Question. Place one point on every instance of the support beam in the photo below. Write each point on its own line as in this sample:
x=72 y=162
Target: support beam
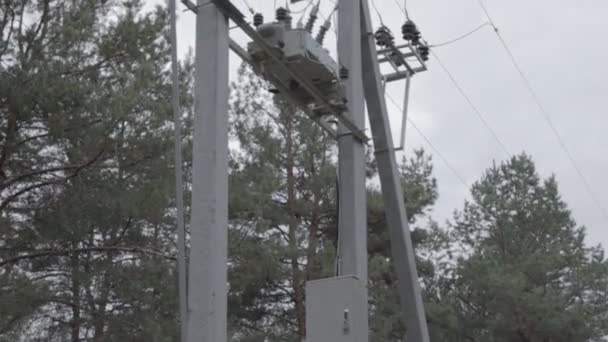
x=352 y=193
x=207 y=297
x=401 y=243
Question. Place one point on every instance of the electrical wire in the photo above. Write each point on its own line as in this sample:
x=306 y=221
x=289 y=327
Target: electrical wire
x=377 y=12
x=428 y=141
x=248 y=6
x=475 y=109
x=303 y=10
x=325 y=17
x=338 y=239
x=544 y=113
x=475 y=30
x=403 y=8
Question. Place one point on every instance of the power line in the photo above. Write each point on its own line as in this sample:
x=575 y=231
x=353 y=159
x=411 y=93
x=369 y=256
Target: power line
x=471 y=104
x=248 y=6
x=303 y=10
x=544 y=113
x=403 y=8
x=377 y=12
x=475 y=30
x=428 y=141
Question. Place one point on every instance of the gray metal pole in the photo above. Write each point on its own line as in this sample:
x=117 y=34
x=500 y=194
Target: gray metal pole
x=406 y=105
x=401 y=244
x=353 y=201
x=207 y=295
x=182 y=277
x=352 y=193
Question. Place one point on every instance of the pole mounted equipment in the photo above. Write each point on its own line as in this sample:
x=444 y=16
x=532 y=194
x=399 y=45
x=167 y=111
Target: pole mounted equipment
x=304 y=73
x=384 y=37
x=312 y=18
x=410 y=32
x=258 y=19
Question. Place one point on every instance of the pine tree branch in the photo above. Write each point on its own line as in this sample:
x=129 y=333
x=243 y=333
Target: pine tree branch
x=11 y=132
x=77 y=170
x=45 y=253
x=24 y=176
x=10 y=27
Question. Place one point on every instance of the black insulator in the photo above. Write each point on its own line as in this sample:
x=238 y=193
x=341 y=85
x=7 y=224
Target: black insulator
x=395 y=59
x=258 y=19
x=344 y=73
x=416 y=40
x=310 y=23
x=294 y=85
x=288 y=21
x=410 y=32
x=384 y=37
x=321 y=34
x=281 y=14
x=424 y=52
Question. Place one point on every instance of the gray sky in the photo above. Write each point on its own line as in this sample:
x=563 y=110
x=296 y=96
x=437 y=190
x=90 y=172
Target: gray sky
x=558 y=45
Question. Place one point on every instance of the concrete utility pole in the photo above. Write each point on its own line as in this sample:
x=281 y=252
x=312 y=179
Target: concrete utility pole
x=352 y=225
x=207 y=298
x=402 y=248
x=353 y=201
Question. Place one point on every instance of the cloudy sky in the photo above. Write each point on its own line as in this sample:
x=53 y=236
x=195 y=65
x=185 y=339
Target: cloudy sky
x=559 y=46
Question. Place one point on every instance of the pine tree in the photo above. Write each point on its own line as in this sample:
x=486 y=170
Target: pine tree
x=86 y=237
x=420 y=191
x=524 y=272
x=281 y=206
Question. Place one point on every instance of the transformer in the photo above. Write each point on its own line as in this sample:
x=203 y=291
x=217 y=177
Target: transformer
x=301 y=52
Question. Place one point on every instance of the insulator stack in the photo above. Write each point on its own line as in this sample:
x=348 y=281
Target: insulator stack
x=281 y=14
x=344 y=73
x=323 y=31
x=410 y=32
x=258 y=19
x=396 y=59
x=384 y=37
x=288 y=20
x=312 y=18
x=424 y=52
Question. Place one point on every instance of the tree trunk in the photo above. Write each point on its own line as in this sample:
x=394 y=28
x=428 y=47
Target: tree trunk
x=75 y=323
x=312 y=264
x=293 y=226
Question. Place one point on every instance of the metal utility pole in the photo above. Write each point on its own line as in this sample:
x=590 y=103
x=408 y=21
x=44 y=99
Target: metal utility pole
x=353 y=201
x=352 y=224
x=402 y=248
x=207 y=298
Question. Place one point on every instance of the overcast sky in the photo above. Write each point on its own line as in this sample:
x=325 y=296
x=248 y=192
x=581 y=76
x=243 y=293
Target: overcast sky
x=559 y=45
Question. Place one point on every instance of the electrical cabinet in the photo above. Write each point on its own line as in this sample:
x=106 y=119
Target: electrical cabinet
x=336 y=310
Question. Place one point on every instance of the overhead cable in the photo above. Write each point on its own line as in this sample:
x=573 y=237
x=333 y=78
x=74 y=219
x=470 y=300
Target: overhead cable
x=459 y=38
x=475 y=109
x=428 y=141
x=544 y=113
